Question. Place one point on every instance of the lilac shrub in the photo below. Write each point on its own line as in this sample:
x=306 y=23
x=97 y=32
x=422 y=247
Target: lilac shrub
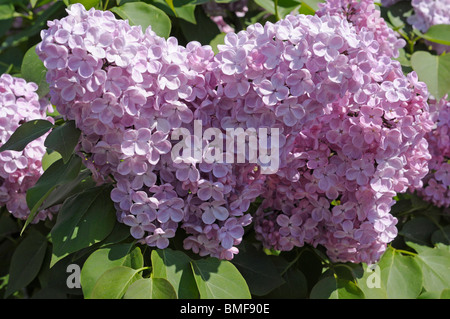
x=20 y=170
x=351 y=128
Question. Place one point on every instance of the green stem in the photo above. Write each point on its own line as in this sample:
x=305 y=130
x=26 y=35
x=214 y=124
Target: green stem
x=143 y=268
x=292 y=263
x=406 y=252
x=277 y=16
x=326 y=262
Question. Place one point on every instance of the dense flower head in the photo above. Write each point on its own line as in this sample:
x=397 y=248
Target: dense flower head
x=436 y=188
x=19 y=170
x=350 y=127
x=428 y=13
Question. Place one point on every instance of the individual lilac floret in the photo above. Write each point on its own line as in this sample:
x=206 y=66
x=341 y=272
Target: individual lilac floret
x=428 y=13
x=19 y=170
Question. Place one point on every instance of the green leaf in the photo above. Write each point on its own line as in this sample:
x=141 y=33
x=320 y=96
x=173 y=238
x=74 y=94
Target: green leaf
x=418 y=230
x=430 y=295
x=258 y=270
x=8 y=224
x=284 y=6
x=6 y=17
x=445 y=294
x=370 y=282
x=33 y=70
x=150 y=288
x=86 y=3
x=170 y=3
x=54 y=11
x=295 y=284
x=441 y=236
x=49 y=158
x=217 y=40
x=434 y=71
x=185 y=11
x=435 y=265
x=63 y=139
x=176 y=268
x=83 y=220
x=114 y=282
x=26 y=261
x=401 y=276
x=101 y=260
x=330 y=287
x=57 y=174
x=219 y=279
x=25 y=133
x=396 y=16
x=6 y=11
x=203 y=31
x=82 y=182
x=438 y=33
x=145 y=15
x=313 y=4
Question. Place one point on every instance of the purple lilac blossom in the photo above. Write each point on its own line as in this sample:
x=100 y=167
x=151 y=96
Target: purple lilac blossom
x=436 y=188
x=351 y=127
x=20 y=170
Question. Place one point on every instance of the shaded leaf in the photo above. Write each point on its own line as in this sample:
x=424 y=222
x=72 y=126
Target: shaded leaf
x=83 y=220
x=258 y=270
x=63 y=139
x=26 y=261
x=57 y=174
x=330 y=287
x=418 y=230
x=25 y=133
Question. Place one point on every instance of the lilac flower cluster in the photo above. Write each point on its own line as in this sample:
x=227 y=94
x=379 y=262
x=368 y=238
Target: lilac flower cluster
x=351 y=128
x=365 y=16
x=428 y=13
x=128 y=91
x=343 y=168
x=436 y=187
x=19 y=171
